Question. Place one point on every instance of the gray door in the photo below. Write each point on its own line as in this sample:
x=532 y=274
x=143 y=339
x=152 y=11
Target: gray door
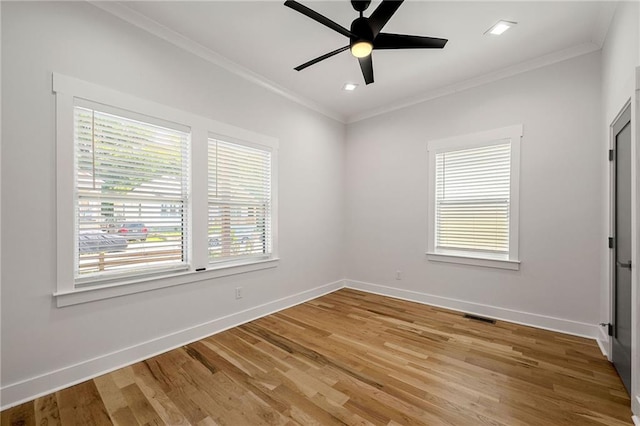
x=622 y=280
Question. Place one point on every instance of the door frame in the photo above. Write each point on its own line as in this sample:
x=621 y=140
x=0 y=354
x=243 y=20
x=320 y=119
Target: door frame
x=634 y=102
x=612 y=221
x=635 y=220
x=613 y=178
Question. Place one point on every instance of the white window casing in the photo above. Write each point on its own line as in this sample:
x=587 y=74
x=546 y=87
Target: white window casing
x=125 y=162
x=473 y=195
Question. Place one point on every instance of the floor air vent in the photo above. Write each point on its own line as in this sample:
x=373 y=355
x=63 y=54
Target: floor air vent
x=482 y=319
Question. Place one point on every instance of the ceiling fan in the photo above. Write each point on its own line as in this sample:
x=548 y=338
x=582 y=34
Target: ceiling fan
x=365 y=36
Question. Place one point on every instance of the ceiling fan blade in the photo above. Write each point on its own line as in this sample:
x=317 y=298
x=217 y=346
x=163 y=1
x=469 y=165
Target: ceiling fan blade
x=402 y=41
x=366 y=65
x=382 y=14
x=317 y=17
x=321 y=58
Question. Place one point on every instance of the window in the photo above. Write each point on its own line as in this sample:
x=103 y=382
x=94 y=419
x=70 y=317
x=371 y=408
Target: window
x=127 y=171
x=472 y=199
x=473 y=193
x=239 y=201
x=148 y=198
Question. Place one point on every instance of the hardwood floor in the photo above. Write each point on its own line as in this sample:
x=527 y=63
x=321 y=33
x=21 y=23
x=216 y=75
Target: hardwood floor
x=353 y=358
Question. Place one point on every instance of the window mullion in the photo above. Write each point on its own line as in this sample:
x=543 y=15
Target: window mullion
x=199 y=203
x=514 y=196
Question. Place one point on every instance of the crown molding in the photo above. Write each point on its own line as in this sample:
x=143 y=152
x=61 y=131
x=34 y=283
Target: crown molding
x=145 y=23
x=603 y=22
x=542 y=61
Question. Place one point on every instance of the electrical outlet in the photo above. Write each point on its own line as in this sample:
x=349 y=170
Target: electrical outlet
x=238 y=292
x=398 y=274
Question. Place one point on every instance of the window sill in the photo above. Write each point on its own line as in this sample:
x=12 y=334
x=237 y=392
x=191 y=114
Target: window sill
x=465 y=259
x=138 y=285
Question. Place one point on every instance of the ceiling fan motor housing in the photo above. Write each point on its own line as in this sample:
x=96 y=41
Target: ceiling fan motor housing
x=360 y=5
x=361 y=29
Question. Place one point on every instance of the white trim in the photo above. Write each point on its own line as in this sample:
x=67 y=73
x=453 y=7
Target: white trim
x=544 y=322
x=64 y=194
x=135 y=18
x=29 y=389
x=476 y=139
x=543 y=61
x=513 y=265
x=68 y=91
x=635 y=280
x=603 y=22
x=74 y=87
x=199 y=161
x=603 y=343
x=636 y=419
x=472 y=140
x=139 y=285
x=610 y=230
x=0 y=175
x=26 y=390
x=145 y=23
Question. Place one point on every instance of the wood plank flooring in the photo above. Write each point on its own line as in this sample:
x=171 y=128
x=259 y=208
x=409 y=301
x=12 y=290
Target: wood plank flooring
x=358 y=359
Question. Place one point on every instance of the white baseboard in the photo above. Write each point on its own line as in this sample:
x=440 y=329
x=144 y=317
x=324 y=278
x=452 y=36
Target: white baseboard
x=525 y=318
x=603 y=343
x=27 y=390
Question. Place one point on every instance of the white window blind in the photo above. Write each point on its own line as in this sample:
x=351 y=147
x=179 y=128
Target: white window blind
x=131 y=195
x=239 y=201
x=472 y=199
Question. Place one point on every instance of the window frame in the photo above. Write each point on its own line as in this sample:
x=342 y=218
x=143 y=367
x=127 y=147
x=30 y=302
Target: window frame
x=68 y=292
x=476 y=140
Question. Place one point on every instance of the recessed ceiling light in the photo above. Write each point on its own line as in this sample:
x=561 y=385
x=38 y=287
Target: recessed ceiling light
x=349 y=87
x=500 y=27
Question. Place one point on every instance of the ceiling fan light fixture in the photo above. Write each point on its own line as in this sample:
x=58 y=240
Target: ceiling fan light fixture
x=349 y=87
x=361 y=49
x=364 y=32
x=500 y=27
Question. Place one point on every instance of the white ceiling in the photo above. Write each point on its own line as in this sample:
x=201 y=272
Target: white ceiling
x=268 y=39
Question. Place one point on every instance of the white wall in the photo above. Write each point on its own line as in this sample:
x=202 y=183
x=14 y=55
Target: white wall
x=373 y=195
x=41 y=343
x=620 y=57
x=561 y=237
